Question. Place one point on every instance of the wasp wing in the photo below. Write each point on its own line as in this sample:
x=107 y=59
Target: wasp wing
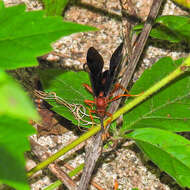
x=95 y=64
x=114 y=65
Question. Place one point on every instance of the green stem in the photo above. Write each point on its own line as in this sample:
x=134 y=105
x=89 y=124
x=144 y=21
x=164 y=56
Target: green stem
x=70 y=174
x=179 y=71
x=176 y=73
x=64 y=150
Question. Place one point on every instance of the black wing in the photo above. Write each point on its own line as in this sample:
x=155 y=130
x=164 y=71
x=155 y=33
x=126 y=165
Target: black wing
x=114 y=64
x=95 y=64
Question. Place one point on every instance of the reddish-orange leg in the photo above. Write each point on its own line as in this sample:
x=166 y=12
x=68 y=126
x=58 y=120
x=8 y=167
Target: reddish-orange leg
x=88 y=88
x=117 y=87
x=116 y=185
x=107 y=100
x=89 y=103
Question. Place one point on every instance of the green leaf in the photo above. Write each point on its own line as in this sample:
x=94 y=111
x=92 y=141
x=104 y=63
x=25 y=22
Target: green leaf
x=68 y=86
x=27 y=35
x=14 y=101
x=184 y=3
x=169 y=151
x=55 y=7
x=13 y=143
x=178 y=25
x=171 y=28
x=167 y=109
x=163 y=33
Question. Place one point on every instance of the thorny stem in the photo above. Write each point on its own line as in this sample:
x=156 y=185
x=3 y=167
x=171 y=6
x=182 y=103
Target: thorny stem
x=176 y=73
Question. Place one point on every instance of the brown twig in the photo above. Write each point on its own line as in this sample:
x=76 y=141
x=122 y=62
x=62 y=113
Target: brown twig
x=129 y=18
x=137 y=51
x=69 y=167
x=43 y=154
x=95 y=152
x=92 y=156
x=62 y=176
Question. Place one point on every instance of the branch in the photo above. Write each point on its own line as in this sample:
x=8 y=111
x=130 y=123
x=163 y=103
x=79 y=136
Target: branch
x=137 y=51
x=92 y=156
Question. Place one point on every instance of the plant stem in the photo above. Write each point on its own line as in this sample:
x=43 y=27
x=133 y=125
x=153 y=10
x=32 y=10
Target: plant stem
x=176 y=73
x=64 y=150
x=70 y=174
x=179 y=71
